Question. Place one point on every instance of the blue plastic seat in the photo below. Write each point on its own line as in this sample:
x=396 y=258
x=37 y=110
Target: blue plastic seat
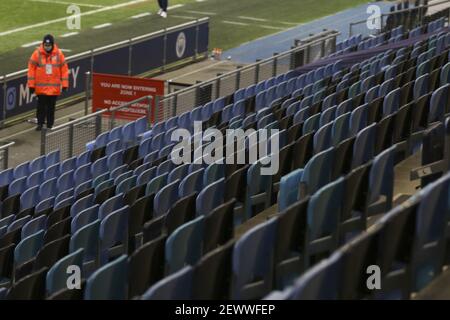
x=184 y=245
x=110 y=205
x=358 y=119
x=289 y=189
x=113 y=146
x=421 y=86
x=27 y=248
x=52 y=172
x=34 y=226
x=22 y=170
x=84 y=217
x=439 y=103
x=381 y=182
x=56 y=279
x=82 y=174
x=322 y=138
x=323 y=218
x=210 y=197
x=29 y=198
x=165 y=198
x=193 y=182
x=64 y=202
x=6 y=176
x=321 y=282
x=87 y=238
x=36 y=178
x=156 y=184
x=44 y=205
x=175 y=286
x=179 y=172
x=113 y=232
x=52 y=158
x=115 y=160
x=68 y=165
x=82 y=188
x=99 y=167
x=109 y=282
x=82 y=204
x=391 y=102
x=38 y=164
x=317 y=172
x=341 y=128
x=84 y=158
x=17 y=186
x=253 y=262
x=63 y=196
x=364 y=146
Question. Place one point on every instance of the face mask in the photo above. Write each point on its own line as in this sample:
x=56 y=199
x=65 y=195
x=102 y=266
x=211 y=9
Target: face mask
x=48 y=47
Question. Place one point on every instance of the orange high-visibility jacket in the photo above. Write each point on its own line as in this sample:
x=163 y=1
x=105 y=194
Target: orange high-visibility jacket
x=48 y=72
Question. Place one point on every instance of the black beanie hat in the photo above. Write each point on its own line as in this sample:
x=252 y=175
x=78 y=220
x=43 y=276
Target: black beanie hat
x=49 y=39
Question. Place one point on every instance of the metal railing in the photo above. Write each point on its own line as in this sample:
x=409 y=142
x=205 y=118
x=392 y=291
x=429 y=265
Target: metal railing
x=307 y=51
x=410 y=18
x=71 y=137
x=4 y=155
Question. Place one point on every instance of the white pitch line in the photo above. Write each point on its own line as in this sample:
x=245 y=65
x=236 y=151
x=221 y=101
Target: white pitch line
x=271 y=27
x=176 y=6
x=202 y=12
x=200 y=0
x=235 y=23
x=87 y=13
x=66 y=35
x=100 y=26
x=184 y=17
x=141 y=15
x=252 y=19
x=69 y=3
x=26 y=45
x=66 y=50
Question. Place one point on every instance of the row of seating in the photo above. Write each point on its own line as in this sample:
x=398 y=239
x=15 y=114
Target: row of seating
x=104 y=227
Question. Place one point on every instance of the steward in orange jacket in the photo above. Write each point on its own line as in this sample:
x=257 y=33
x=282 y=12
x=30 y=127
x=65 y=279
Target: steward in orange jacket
x=47 y=74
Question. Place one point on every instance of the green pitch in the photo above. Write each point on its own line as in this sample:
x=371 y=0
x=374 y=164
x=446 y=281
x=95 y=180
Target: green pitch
x=103 y=22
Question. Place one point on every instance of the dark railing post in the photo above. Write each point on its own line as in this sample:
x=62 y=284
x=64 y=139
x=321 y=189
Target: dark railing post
x=275 y=64
x=165 y=51
x=43 y=140
x=258 y=65
x=218 y=85
x=130 y=56
x=88 y=92
x=5 y=158
x=71 y=139
x=98 y=125
x=5 y=86
x=238 y=77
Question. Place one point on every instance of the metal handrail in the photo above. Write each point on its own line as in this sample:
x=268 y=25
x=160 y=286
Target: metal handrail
x=71 y=122
x=329 y=35
x=6 y=146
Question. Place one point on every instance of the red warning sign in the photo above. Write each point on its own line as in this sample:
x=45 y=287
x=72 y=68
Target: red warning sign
x=110 y=91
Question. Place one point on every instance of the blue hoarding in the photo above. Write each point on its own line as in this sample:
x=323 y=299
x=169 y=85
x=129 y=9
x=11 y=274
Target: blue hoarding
x=113 y=62
x=146 y=54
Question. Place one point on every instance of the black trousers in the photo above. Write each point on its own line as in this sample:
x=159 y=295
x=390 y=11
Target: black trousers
x=46 y=110
x=163 y=4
